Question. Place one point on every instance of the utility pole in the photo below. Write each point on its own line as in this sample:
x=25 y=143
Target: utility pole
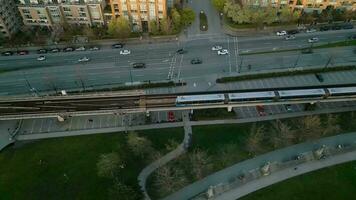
x=32 y=89
x=131 y=77
x=296 y=62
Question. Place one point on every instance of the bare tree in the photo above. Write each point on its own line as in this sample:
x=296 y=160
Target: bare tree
x=309 y=128
x=228 y=155
x=171 y=145
x=282 y=134
x=200 y=163
x=168 y=180
x=109 y=165
x=140 y=146
x=255 y=138
x=120 y=191
x=331 y=125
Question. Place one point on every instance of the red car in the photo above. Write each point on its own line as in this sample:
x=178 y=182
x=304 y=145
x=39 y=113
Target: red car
x=22 y=52
x=261 y=110
x=171 y=117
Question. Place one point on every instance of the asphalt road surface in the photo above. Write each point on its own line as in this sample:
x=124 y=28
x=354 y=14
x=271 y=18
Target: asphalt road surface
x=107 y=66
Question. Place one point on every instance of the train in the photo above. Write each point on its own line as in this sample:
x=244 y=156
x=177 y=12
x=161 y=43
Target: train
x=271 y=95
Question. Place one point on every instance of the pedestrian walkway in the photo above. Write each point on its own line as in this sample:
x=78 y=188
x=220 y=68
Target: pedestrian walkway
x=145 y=173
x=220 y=185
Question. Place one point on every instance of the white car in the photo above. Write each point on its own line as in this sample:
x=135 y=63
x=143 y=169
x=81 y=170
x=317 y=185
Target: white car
x=223 y=52
x=94 y=48
x=84 y=59
x=313 y=40
x=80 y=49
x=290 y=37
x=216 y=48
x=125 y=52
x=41 y=58
x=311 y=30
x=281 y=33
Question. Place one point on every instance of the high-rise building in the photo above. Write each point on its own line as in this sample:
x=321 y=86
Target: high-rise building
x=10 y=20
x=139 y=12
x=50 y=12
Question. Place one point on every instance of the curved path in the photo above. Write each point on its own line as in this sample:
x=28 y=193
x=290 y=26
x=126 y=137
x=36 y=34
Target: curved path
x=222 y=181
x=147 y=171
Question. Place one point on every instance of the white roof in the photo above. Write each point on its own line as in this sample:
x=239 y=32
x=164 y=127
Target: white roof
x=201 y=97
x=307 y=92
x=342 y=90
x=250 y=95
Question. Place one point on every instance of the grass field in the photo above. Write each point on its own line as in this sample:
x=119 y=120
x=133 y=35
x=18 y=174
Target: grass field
x=68 y=169
x=337 y=183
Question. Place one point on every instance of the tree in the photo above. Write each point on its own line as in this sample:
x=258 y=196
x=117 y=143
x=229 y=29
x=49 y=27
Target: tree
x=255 y=138
x=168 y=180
x=187 y=17
x=201 y=164
x=282 y=134
x=331 y=125
x=229 y=154
x=119 y=27
x=108 y=165
x=120 y=191
x=154 y=27
x=219 y=4
x=89 y=32
x=165 y=25
x=140 y=146
x=176 y=19
x=286 y=15
x=309 y=128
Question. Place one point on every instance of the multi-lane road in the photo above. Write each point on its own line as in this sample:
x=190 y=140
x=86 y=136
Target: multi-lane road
x=107 y=66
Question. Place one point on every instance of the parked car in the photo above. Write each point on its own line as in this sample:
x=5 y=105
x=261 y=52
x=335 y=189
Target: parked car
x=289 y=37
x=223 y=52
x=288 y=107
x=313 y=40
x=307 y=51
x=68 y=49
x=181 y=51
x=117 y=45
x=281 y=33
x=292 y=32
x=41 y=58
x=138 y=65
x=319 y=77
x=336 y=27
x=55 y=50
x=324 y=28
x=125 y=52
x=41 y=51
x=7 y=53
x=80 y=48
x=22 y=52
x=94 y=48
x=348 y=26
x=261 y=110
x=311 y=30
x=216 y=48
x=171 y=117
x=196 y=61
x=84 y=59
x=352 y=37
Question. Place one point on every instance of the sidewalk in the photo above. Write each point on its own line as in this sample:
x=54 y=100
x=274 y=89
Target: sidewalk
x=8 y=130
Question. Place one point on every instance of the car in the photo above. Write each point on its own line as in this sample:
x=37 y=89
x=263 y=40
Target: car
x=68 y=49
x=325 y=28
x=319 y=77
x=41 y=58
x=288 y=107
x=313 y=40
x=181 y=51
x=311 y=30
x=117 y=45
x=223 y=52
x=171 y=117
x=281 y=33
x=307 y=51
x=22 y=52
x=125 y=52
x=55 y=50
x=261 y=110
x=80 y=48
x=352 y=37
x=94 y=48
x=336 y=27
x=196 y=61
x=292 y=32
x=7 y=53
x=290 y=37
x=216 y=48
x=41 y=51
x=138 y=65
x=84 y=59
x=348 y=26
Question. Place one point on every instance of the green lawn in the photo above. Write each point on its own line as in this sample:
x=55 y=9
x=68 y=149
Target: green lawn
x=23 y=177
x=337 y=183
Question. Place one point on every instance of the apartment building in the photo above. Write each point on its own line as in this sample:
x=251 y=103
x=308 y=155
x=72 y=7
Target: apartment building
x=304 y=4
x=51 y=12
x=139 y=12
x=10 y=20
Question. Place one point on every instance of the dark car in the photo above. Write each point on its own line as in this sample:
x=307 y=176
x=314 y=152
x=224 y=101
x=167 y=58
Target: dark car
x=68 y=49
x=41 y=51
x=55 y=50
x=324 y=28
x=22 y=52
x=352 y=37
x=117 y=45
x=138 y=65
x=181 y=51
x=307 y=51
x=348 y=26
x=319 y=77
x=336 y=27
x=7 y=53
x=292 y=32
x=196 y=61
